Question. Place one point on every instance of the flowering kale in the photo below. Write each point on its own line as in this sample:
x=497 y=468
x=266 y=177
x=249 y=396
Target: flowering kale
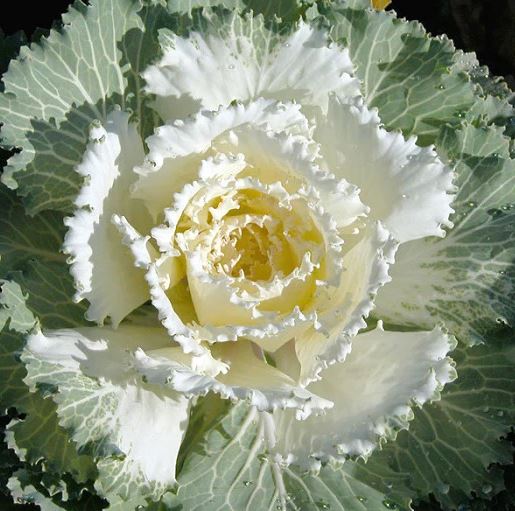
x=246 y=242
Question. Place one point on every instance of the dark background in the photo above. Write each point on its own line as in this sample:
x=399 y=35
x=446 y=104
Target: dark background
x=484 y=26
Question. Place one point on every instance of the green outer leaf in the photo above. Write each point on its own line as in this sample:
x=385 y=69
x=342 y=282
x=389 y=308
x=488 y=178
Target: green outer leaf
x=52 y=93
x=13 y=310
x=30 y=256
x=287 y=10
x=50 y=288
x=39 y=434
x=8 y=461
x=407 y=75
x=419 y=85
x=484 y=235
x=343 y=489
x=97 y=403
x=503 y=501
x=204 y=416
x=24 y=492
x=224 y=471
x=22 y=237
x=451 y=443
x=93 y=409
x=187 y=6
x=30 y=484
x=227 y=468
x=494 y=99
x=12 y=372
x=169 y=502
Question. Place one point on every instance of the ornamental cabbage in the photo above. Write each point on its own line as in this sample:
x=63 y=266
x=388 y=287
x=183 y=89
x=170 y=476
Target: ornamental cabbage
x=250 y=226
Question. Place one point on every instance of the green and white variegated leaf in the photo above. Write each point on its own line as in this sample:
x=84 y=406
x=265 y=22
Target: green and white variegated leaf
x=30 y=485
x=346 y=488
x=23 y=491
x=226 y=467
x=497 y=104
x=406 y=74
x=13 y=310
x=494 y=99
x=261 y=60
x=49 y=287
x=41 y=285
x=451 y=443
x=42 y=85
x=87 y=424
x=12 y=372
x=467 y=279
x=187 y=6
x=38 y=436
x=30 y=256
x=287 y=10
x=56 y=88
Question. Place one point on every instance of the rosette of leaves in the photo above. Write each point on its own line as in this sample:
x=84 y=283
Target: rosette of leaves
x=59 y=449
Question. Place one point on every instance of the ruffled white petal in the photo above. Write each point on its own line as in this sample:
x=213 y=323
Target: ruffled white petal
x=293 y=161
x=373 y=391
x=406 y=186
x=244 y=61
x=248 y=377
x=176 y=149
x=146 y=423
x=101 y=266
x=366 y=270
x=268 y=312
x=162 y=274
